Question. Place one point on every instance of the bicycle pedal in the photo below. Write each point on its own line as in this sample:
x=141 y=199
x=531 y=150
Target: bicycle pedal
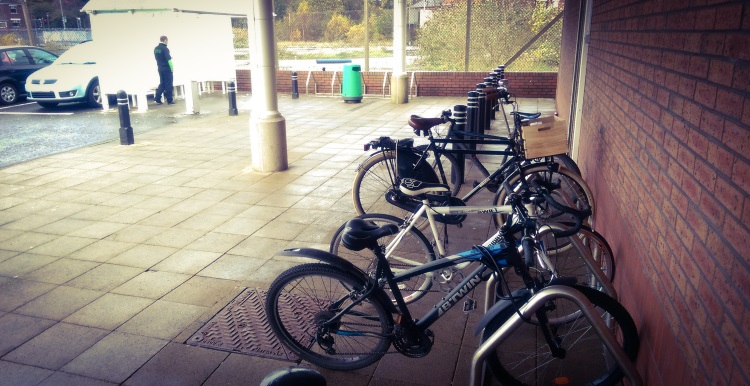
x=493 y=187
x=470 y=305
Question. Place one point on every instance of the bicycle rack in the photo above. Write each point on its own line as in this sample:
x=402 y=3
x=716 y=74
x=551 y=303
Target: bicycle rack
x=528 y=309
x=588 y=259
x=491 y=286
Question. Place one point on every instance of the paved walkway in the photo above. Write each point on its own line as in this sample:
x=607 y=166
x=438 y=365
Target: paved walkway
x=112 y=256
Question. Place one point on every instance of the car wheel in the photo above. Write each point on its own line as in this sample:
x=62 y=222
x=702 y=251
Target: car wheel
x=94 y=94
x=48 y=105
x=8 y=93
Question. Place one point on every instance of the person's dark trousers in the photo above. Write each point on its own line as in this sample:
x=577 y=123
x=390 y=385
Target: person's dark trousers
x=165 y=86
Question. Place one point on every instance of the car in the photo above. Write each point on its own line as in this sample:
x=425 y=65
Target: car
x=72 y=78
x=16 y=64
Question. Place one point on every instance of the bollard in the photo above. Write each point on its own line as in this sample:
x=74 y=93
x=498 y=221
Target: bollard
x=126 y=132
x=295 y=89
x=482 y=103
x=472 y=109
x=491 y=95
x=459 y=113
x=496 y=80
x=232 y=93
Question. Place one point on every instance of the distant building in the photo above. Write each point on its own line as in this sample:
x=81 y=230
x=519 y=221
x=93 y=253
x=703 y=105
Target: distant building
x=11 y=15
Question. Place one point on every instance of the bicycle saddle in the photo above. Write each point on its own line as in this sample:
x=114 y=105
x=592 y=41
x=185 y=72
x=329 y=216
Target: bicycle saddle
x=424 y=124
x=527 y=116
x=412 y=187
x=360 y=234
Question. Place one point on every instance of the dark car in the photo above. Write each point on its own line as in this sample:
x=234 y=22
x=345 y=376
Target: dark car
x=16 y=64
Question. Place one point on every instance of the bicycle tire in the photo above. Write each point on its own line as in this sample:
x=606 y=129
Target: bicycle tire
x=573 y=190
x=314 y=289
x=377 y=175
x=567 y=162
x=414 y=246
x=567 y=261
x=586 y=361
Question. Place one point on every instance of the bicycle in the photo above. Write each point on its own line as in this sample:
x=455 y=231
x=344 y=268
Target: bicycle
x=375 y=186
x=588 y=257
x=347 y=321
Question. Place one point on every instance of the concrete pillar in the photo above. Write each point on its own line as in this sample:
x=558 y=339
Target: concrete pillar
x=267 y=125
x=399 y=80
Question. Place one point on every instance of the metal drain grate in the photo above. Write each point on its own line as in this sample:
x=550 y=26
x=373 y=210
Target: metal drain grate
x=242 y=327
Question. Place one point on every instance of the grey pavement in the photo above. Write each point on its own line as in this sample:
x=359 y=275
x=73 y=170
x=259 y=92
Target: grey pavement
x=112 y=256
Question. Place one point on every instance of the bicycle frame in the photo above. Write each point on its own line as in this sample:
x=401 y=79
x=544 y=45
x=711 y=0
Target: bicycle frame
x=430 y=212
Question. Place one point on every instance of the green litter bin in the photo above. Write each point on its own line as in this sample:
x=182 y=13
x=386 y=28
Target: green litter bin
x=351 y=84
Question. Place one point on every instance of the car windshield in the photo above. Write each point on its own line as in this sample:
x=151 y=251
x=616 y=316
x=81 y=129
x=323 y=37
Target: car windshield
x=80 y=54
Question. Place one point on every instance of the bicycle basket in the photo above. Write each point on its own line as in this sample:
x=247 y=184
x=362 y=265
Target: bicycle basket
x=409 y=165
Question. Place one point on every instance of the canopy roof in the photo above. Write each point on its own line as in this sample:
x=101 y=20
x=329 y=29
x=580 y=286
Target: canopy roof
x=237 y=8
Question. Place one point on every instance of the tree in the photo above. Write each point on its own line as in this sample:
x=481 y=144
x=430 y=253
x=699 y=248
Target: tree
x=337 y=28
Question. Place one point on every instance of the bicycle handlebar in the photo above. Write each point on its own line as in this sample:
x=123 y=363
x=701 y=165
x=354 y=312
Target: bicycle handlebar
x=578 y=214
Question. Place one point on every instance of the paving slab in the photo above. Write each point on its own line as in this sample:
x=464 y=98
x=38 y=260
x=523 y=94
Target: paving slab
x=15 y=374
x=109 y=311
x=178 y=364
x=56 y=346
x=162 y=319
x=115 y=357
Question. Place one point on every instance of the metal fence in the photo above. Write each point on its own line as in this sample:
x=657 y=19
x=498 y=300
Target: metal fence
x=443 y=35
x=523 y=34
x=51 y=39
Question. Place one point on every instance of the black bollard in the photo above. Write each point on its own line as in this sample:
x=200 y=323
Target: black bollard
x=232 y=93
x=491 y=95
x=482 y=103
x=496 y=80
x=459 y=113
x=126 y=132
x=472 y=109
x=295 y=89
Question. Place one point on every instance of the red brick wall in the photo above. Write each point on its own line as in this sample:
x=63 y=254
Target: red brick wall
x=521 y=84
x=665 y=144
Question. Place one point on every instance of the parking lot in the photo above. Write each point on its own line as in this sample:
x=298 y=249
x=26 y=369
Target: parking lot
x=28 y=131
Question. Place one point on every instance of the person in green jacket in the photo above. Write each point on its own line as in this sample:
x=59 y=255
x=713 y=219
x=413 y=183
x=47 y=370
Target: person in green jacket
x=164 y=65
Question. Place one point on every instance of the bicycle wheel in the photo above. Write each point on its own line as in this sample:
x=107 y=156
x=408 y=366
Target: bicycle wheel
x=526 y=359
x=567 y=162
x=301 y=305
x=572 y=192
x=567 y=260
x=377 y=176
x=413 y=250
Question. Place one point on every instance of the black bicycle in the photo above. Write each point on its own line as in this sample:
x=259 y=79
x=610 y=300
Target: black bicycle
x=375 y=186
x=349 y=321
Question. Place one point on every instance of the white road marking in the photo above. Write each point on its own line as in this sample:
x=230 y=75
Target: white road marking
x=21 y=113
x=20 y=104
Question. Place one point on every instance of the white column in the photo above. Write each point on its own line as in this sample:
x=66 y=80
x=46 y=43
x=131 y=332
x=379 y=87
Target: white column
x=399 y=80
x=267 y=125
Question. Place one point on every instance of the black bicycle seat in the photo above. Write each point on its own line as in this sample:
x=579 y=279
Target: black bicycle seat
x=412 y=187
x=360 y=234
x=527 y=116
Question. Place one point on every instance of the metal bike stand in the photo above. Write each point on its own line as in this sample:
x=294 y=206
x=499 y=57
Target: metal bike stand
x=588 y=259
x=609 y=289
x=528 y=309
